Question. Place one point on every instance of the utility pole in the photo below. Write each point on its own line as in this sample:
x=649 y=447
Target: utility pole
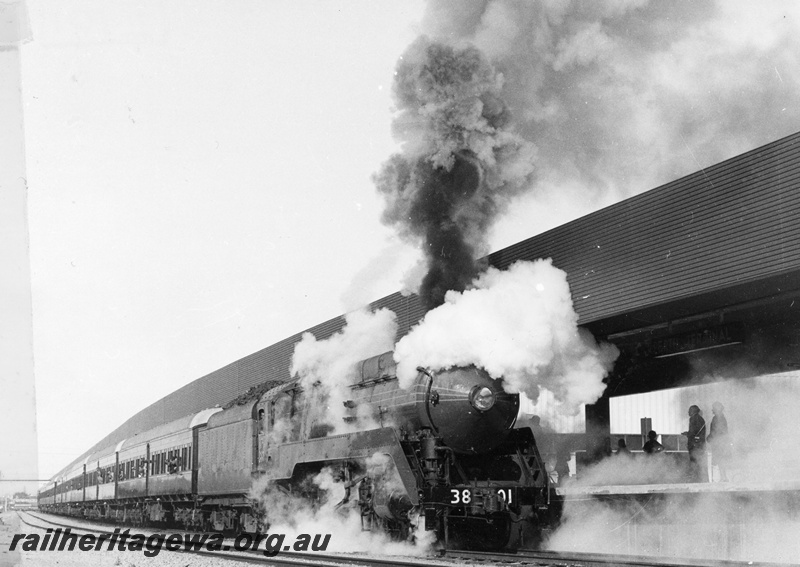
x=18 y=438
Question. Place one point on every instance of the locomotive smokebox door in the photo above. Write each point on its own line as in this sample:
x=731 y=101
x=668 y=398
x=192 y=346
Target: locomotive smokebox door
x=468 y=409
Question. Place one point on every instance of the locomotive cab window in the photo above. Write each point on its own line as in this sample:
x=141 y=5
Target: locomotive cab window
x=282 y=410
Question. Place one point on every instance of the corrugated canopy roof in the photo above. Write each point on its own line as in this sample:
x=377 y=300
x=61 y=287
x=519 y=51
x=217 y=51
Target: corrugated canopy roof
x=728 y=233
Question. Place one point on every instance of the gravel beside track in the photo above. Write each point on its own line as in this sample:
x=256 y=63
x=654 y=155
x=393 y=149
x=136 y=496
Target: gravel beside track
x=9 y=525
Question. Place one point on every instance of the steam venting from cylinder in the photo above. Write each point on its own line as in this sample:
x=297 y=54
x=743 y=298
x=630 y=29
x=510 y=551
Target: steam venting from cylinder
x=459 y=165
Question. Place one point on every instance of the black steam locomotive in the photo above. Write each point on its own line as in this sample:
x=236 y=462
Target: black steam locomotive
x=443 y=452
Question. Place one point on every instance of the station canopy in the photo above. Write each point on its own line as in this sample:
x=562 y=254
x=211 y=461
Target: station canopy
x=725 y=239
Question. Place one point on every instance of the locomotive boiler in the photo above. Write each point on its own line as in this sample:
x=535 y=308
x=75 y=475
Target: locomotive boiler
x=442 y=452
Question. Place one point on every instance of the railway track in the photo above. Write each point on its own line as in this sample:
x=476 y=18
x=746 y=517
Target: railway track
x=284 y=557
x=577 y=559
x=445 y=558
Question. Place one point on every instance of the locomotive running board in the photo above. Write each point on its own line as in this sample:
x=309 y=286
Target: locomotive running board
x=283 y=459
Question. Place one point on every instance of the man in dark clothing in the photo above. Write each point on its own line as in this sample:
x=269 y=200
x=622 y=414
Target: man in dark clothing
x=719 y=441
x=696 y=443
x=622 y=448
x=562 y=466
x=652 y=447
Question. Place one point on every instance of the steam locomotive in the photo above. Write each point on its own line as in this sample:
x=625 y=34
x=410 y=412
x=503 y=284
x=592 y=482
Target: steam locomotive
x=442 y=452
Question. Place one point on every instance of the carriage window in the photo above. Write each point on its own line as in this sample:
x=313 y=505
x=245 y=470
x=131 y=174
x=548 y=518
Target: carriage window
x=173 y=461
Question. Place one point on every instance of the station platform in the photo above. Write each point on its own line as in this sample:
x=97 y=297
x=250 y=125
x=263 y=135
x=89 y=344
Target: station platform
x=738 y=521
x=576 y=490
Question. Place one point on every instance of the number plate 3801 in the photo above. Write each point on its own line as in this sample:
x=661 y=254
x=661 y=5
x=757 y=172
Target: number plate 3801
x=481 y=495
x=465 y=496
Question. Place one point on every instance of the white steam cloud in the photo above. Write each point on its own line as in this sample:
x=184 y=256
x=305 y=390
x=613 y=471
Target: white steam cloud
x=518 y=325
x=700 y=526
x=332 y=513
x=327 y=368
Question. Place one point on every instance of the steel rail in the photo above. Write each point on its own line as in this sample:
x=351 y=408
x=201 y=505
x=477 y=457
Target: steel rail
x=583 y=559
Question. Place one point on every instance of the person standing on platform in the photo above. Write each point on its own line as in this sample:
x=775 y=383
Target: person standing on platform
x=562 y=466
x=622 y=448
x=696 y=443
x=652 y=447
x=719 y=440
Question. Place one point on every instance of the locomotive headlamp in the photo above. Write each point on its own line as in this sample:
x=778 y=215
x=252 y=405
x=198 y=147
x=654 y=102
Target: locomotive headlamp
x=481 y=398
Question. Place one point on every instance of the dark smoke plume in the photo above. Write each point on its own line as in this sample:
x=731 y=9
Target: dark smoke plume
x=619 y=97
x=616 y=97
x=459 y=164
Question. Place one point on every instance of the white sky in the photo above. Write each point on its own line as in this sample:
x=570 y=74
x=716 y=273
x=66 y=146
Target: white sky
x=199 y=188
x=199 y=173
